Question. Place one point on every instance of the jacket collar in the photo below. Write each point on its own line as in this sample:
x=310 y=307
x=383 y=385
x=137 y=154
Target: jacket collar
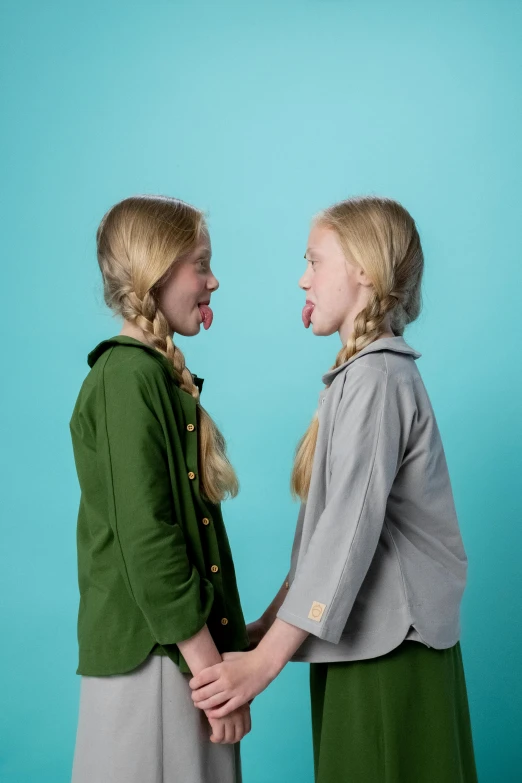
x=395 y=344
x=122 y=339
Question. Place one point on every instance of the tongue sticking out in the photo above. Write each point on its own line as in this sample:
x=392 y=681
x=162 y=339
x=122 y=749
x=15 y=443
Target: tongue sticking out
x=307 y=314
x=207 y=316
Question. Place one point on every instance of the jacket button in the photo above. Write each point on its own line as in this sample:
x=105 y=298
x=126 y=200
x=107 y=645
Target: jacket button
x=224 y=621
x=190 y=427
x=206 y=521
x=214 y=569
x=287 y=584
x=191 y=475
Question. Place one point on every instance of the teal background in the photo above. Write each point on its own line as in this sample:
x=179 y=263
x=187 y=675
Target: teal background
x=260 y=113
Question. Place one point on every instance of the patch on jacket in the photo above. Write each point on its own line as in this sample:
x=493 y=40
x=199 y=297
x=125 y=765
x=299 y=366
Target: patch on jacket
x=316 y=612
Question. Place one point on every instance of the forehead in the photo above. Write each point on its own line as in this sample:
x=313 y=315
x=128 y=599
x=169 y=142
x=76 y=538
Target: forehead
x=323 y=240
x=202 y=247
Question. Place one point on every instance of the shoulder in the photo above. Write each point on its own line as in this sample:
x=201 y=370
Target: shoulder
x=390 y=368
x=134 y=378
x=134 y=366
x=381 y=378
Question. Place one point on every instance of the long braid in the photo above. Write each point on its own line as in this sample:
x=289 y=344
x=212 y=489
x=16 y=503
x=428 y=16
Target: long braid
x=217 y=476
x=368 y=326
x=146 y=314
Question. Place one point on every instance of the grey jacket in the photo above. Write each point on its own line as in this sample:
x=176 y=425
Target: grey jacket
x=377 y=555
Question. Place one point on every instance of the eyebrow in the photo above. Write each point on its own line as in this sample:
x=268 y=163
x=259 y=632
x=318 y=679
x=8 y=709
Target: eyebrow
x=310 y=251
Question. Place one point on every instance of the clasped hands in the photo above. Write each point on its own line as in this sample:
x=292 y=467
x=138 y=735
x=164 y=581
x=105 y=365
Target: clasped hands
x=227 y=688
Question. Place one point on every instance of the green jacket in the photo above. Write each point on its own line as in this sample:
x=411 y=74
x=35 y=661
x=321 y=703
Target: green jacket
x=154 y=562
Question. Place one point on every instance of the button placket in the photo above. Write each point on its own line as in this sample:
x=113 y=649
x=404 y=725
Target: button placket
x=191 y=443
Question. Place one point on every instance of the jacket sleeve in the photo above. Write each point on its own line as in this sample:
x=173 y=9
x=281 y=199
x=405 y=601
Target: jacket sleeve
x=364 y=459
x=149 y=541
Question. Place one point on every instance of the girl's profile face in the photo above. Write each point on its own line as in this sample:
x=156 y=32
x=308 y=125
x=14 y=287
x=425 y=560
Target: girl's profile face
x=336 y=288
x=184 y=298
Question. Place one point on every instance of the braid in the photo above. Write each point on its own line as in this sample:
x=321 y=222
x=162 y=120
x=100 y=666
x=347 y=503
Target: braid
x=146 y=314
x=367 y=325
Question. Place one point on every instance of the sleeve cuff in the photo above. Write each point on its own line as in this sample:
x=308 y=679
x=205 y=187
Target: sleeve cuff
x=183 y=617
x=319 y=629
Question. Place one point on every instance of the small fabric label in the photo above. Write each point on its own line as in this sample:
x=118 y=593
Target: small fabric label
x=316 y=612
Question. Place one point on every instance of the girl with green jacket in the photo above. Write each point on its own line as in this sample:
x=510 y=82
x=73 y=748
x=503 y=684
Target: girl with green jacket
x=378 y=569
x=158 y=594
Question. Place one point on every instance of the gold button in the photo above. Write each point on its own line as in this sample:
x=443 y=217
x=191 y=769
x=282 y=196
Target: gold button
x=287 y=584
x=205 y=521
x=214 y=569
x=190 y=427
x=191 y=475
x=224 y=621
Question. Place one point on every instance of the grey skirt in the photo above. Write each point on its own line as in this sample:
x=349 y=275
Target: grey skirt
x=142 y=727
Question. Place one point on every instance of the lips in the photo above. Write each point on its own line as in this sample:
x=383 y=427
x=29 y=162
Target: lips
x=307 y=313
x=207 y=316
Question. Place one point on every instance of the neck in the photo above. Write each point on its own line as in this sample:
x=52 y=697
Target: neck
x=130 y=329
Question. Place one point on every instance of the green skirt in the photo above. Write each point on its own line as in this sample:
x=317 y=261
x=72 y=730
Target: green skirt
x=399 y=718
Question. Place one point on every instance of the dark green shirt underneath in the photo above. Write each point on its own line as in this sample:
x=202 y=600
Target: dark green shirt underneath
x=154 y=562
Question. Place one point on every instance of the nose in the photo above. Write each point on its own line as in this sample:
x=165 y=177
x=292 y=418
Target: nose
x=212 y=282
x=304 y=282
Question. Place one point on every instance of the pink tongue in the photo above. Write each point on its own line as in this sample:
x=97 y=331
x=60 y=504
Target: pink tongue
x=207 y=315
x=307 y=314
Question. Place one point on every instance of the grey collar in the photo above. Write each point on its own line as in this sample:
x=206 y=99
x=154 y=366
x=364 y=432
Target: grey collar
x=396 y=344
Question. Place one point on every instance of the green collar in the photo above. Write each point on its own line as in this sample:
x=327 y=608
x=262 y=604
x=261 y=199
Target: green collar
x=122 y=339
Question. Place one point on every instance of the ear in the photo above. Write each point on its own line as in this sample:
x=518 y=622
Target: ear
x=363 y=279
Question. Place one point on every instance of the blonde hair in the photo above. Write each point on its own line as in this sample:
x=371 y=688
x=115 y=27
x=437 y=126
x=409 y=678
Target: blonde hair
x=138 y=241
x=381 y=237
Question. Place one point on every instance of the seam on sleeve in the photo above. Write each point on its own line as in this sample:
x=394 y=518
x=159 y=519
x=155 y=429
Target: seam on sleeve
x=112 y=489
x=362 y=367
x=370 y=476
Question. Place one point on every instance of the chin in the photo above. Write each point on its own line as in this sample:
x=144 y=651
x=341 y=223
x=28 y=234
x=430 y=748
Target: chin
x=188 y=331
x=322 y=331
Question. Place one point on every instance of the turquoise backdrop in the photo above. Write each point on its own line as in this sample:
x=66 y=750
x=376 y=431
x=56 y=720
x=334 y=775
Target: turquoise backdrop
x=260 y=113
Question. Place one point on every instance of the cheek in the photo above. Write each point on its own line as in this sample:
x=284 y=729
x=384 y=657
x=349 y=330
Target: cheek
x=186 y=288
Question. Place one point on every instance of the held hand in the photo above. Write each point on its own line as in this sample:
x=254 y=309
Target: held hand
x=222 y=688
x=232 y=728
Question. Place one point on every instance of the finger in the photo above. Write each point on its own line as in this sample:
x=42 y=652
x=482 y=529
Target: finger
x=218 y=731
x=207 y=691
x=225 y=709
x=240 y=727
x=205 y=677
x=230 y=732
x=248 y=722
x=212 y=702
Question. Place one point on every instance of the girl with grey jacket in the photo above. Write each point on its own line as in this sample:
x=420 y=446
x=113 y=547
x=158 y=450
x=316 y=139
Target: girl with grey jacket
x=378 y=569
